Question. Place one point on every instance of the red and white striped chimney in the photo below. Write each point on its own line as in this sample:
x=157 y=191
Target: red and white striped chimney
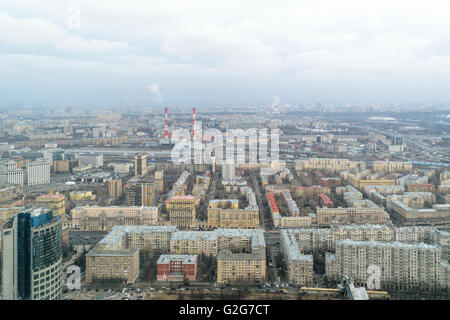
x=166 y=125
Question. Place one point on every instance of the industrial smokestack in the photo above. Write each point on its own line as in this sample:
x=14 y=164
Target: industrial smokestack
x=166 y=125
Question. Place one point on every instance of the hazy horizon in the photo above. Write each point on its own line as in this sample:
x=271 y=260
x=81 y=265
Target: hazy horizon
x=177 y=53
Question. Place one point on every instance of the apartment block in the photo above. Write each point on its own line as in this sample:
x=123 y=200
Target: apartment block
x=182 y=211
x=392 y=166
x=371 y=214
x=140 y=164
x=115 y=188
x=299 y=266
x=10 y=174
x=402 y=266
x=241 y=264
x=91 y=218
x=328 y=164
x=194 y=242
x=38 y=172
x=54 y=201
x=120 y=265
x=141 y=193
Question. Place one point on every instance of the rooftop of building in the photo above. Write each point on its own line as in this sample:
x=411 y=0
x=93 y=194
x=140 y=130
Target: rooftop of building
x=194 y=235
x=395 y=244
x=114 y=207
x=291 y=247
x=228 y=255
x=99 y=251
x=310 y=188
x=146 y=229
x=185 y=258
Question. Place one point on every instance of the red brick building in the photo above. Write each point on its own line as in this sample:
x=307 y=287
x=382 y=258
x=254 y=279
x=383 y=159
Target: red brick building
x=325 y=201
x=272 y=204
x=177 y=267
x=330 y=182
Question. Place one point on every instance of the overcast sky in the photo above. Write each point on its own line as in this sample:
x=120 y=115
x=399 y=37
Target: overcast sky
x=221 y=53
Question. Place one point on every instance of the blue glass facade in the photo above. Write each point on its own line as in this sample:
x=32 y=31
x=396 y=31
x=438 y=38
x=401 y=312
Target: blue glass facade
x=38 y=247
x=24 y=254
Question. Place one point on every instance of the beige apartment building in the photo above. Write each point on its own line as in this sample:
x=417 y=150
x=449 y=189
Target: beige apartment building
x=181 y=211
x=156 y=238
x=312 y=239
x=194 y=242
x=241 y=267
x=404 y=266
x=352 y=215
x=299 y=266
x=105 y=218
x=112 y=265
x=392 y=166
x=54 y=201
x=226 y=214
x=328 y=164
x=116 y=256
x=242 y=256
x=359 y=183
x=413 y=208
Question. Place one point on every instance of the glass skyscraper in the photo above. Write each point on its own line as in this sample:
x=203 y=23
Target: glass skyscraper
x=32 y=256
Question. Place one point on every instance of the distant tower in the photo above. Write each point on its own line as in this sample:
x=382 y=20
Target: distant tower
x=193 y=122
x=166 y=125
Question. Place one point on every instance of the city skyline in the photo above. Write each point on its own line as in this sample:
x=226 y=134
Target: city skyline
x=206 y=155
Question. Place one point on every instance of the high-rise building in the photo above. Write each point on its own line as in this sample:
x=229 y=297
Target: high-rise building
x=228 y=171
x=115 y=188
x=140 y=164
x=142 y=193
x=38 y=172
x=32 y=256
x=159 y=177
x=9 y=173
